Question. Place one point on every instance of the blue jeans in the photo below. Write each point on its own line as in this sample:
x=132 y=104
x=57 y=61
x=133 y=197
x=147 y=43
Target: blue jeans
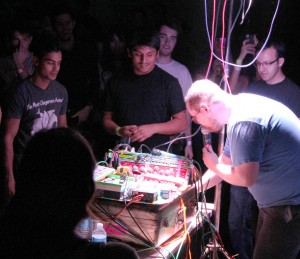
x=278 y=233
x=241 y=221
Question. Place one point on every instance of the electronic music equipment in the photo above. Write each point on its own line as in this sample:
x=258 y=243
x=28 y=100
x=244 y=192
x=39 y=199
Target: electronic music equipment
x=152 y=192
x=164 y=167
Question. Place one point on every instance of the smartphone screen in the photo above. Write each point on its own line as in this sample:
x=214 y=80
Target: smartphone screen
x=250 y=38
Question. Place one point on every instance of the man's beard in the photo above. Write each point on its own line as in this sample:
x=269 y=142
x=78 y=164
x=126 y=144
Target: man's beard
x=165 y=53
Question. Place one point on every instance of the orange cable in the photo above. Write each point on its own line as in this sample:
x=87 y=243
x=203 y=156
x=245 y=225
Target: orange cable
x=137 y=197
x=187 y=236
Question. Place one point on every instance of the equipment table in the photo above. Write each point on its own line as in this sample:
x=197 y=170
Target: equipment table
x=176 y=243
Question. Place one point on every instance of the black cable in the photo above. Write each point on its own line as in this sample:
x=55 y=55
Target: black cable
x=203 y=200
x=197 y=182
x=185 y=137
x=109 y=215
x=127 y=231
x=144 y=233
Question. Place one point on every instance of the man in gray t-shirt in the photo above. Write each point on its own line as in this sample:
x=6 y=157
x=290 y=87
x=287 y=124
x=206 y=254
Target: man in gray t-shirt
x=275 y=85
x=262 y=153
x=38 y=103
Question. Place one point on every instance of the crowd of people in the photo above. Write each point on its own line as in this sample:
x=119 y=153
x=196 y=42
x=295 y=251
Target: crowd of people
x=127 y=86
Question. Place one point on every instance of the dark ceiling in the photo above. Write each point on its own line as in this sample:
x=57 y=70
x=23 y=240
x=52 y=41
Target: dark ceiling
x=194 y=44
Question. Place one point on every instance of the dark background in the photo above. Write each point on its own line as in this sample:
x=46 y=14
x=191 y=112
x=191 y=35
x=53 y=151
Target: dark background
x=192 y=47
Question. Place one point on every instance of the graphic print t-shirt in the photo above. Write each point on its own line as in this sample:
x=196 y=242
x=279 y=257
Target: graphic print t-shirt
x=36 y=108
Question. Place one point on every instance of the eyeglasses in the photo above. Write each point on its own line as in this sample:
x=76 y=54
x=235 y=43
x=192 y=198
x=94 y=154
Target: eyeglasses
x=193 y=118
x=265 y=64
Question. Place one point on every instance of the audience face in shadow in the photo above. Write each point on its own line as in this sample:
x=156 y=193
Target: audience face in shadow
x=64 y=25
x=57 y=169
x=54 y=186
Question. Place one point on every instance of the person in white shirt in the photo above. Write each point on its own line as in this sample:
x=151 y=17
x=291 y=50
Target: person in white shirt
x=169 y=31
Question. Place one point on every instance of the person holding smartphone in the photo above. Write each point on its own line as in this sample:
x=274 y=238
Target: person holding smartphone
x=19 y=63
x=240 y=78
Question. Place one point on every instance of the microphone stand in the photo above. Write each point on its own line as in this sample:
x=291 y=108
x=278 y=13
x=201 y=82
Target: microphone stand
x=215 y=246
x=221 y=136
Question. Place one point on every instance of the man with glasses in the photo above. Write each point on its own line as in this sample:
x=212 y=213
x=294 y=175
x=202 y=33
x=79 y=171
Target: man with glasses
x=261 y=153
x=275 y=85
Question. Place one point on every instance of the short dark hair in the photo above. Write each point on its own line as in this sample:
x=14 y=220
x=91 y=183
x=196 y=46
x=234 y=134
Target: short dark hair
x=172 y=22
x=22 y=26
x=144 y=37
x=60 y=8
x=278 y=45
x=56 y=171
x=46 y=41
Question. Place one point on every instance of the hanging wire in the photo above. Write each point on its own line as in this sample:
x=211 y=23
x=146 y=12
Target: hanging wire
x=211 y=41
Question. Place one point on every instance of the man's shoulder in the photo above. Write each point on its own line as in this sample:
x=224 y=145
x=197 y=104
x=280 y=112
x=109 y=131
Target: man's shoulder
x=122 y=76
x=257 y=83
x=174 y=65
x=179 y=65
x=289 y=82
x=57 y=84
x=258 y=87
x=59 y=90
x=27 y=86
x=159 y=71
x=24 y=85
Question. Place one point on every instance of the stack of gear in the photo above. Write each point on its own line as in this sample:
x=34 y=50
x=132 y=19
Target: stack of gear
x=146 y=198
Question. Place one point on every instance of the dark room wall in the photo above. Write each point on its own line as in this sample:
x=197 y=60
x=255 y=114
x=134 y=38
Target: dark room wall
x=193 y=45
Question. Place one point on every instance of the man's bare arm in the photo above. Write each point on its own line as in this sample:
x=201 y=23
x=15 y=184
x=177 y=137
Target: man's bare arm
x=11 y=127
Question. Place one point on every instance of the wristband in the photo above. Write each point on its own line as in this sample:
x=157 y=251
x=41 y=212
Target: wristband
x=117 y=130
x=239 y=61
x=189 y=142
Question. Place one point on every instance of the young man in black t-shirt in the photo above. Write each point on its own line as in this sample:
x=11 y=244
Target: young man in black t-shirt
x=147 y=103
